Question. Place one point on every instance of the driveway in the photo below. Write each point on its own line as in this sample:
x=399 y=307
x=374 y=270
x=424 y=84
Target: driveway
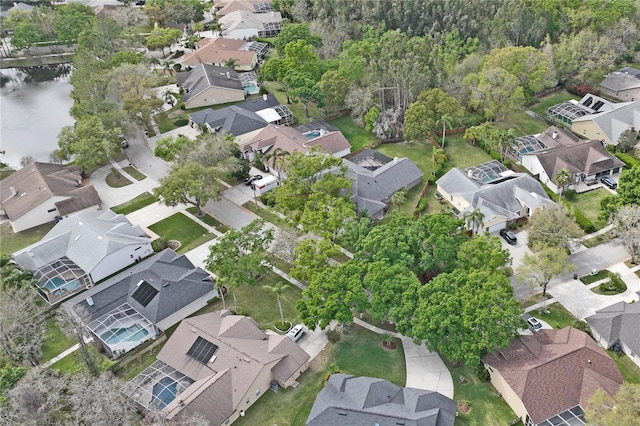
x=141 y=156
x=314 y=341
x=517 y=252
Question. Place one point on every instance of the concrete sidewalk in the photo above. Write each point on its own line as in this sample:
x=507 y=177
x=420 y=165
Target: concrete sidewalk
x=425 y=369
x=114 y=196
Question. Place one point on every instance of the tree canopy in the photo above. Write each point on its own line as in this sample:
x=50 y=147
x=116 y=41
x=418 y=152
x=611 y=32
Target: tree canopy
x=422 y=117
x=191 y=183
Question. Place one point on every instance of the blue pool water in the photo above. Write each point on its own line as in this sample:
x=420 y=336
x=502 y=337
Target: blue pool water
x=57 y=285
x=311 y=135
x=164 y=392
x=251 y=89
x=128 y=334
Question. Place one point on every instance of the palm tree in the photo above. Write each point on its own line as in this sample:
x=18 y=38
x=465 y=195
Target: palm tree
x=438 y=157
x=278 y=290
x=445 y=119
x=474 y=220
x=505 y=139
x=562 y=179
x=399 y=198
x=231 y=63
x=168 y=66
x=473 y=134
x=277 y=158
x=154 y=62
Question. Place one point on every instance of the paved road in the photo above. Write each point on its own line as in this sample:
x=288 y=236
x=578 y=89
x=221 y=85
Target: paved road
x=140 y=155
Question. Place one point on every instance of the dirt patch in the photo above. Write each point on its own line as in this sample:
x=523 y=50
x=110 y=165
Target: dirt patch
x=174 y=245
x=464 y=406
x=389 y=346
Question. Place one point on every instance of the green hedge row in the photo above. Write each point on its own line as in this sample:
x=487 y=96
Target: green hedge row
x=627 y=159
x=582 y=221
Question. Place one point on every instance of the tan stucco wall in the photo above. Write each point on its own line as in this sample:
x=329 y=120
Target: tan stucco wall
x=215 y=96
x=590 y=130
x=456 y=201
x=507 y=393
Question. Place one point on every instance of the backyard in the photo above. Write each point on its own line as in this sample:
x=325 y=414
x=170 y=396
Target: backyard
x=11 y=242
x=55 y=341
x=589 y=204
x=357 y=136
x=552 y=99
x=180 y=228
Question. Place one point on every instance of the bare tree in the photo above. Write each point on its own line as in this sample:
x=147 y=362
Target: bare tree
x=37 y=399
x=284 y=244
x=97 y=400
x=73 y=320
x=21 y=327
x=626 y=223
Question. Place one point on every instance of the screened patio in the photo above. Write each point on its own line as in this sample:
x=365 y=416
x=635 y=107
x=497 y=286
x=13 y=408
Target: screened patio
x=60 y=279
x=157 y=386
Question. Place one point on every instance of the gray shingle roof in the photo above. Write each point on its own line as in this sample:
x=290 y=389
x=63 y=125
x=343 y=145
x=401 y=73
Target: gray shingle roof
x=204 y=76
x=624 y=78
x=177 y=281
x=317 y=125
x=367 y=401
x=86 y=238
x=618 y=322
x=615 y=121
x=379 y=178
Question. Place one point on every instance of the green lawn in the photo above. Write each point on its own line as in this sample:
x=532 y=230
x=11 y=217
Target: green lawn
x=589 y=204
x=117 y=180
x=270 y=216
x=522 y=123
x=558 y=317
x=590 y=279
x=180 y=227
x=419 y=153
x=461 y=154
x=142 y=200
x=630 y=371
x=594 y=241
x=134 y=173
x=209 y=220
x=552 y=99
x=11 y=242
x=357 y=136
x=70 y=363
x=296 y=108
x=487 y=408
x=55 y=341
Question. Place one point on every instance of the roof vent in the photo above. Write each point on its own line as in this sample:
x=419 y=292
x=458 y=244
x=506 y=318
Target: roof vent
x=228 y=74
x=14 y=192
x=30 y=253
x=395 y=160
x=264 y=97
x=90 y=301
x=213 y=358
x=554 y=135
x=140 y=283
x=193 y=330
x=77 y=238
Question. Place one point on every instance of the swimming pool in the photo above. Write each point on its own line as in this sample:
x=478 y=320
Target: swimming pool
x=126 y=334
x=251 y=89
x=58 y=285
x=164 y=392
x=314 y=134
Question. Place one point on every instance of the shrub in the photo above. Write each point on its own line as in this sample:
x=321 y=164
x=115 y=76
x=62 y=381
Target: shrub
x=182 y=106
x=241 y=311
x=582 y=326
x=627 y=159
x=160 y=244
x=181 y=122
x=334 y=336
x=482 y=373
x=569 y=194
x=268 y=199
x=422 y=205
x=584 y=222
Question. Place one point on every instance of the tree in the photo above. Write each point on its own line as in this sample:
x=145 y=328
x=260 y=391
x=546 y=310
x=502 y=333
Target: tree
x=238 y=257
x=278 y=289
x=483 y=251
x=311 y=257
x=25 y=34
x=464 y=314
x=191 y=183
x=578 y=54
x=71 y=19
x=554 y=226
x=629 y=186
x=426 y=113
x=332 y=295
x=444 y=120
x=621 y=409
x=73 y=321
x=334 y=88
x=627 y=140
x=474 y=219
x=562 y=179
x=22 y=328
x=161 y=38
x=399 y=198
x=294 y=32
x=324 y=213
x=303 y=89
x=438 y=158
x=529 y=65
x=276 y=158
x=169 y=148
x=541 y=266
x=386 y=283
x=626 y=223
x=494 y=91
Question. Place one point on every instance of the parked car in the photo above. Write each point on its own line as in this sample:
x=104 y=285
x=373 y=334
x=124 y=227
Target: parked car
x=248 y=181
x=439 y=197
x=124 y=143
x=609 y=182
x=508 y=236
x=296 y=332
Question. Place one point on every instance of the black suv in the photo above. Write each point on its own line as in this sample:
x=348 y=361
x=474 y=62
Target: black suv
x=609 y=182
x=248 y=181
x=508 y=236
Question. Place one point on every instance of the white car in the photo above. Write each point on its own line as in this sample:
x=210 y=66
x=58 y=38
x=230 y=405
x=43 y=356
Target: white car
x=296 y=332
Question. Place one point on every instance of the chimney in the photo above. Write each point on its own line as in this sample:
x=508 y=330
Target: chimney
x=395 y=160
x=470 y=173
x=264 y=97
x=554 y=135
x=228 y=74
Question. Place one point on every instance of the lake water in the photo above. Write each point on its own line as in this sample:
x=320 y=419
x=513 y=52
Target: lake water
x=34 y=107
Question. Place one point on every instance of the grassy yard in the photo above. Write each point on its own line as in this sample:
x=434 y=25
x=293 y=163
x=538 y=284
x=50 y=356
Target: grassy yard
x=270 y=216
x=297 y=109
x=71 y=364
x=630 y=371
x=555 y=315
x=11 y=241
x=116 y=180
x=550 y=100
x=487 y=408
x=357 y=136
x=419 y=153
x=461 y=154
x=209 y=220
x=590 y=279
x=522 y=123
x=55 y=341
x=142 y=200
x=134 y=173
x=179 y=227
x=589 y=204
x=594 y=241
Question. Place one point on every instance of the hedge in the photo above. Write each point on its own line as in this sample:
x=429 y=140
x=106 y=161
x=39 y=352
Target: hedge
x=627 y=159
x=582 y=221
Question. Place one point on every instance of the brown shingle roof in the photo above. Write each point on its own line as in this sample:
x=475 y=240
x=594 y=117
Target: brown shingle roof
x=35 y=183
x=79 y=199
x=290 y=140
x=219 y=51
x=554 y=370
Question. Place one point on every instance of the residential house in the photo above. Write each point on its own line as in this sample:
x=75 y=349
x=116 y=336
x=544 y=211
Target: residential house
x=623 y=84
x=219 y=51
x=616 y=327
x=246 y=119
x=553 y=137
x=81 y=250
x=350 y=400
x=242 y=24
x=586 y=161
x=607 y=126
x=216 y=365
x=567 y=112
x=40 y=192
x=224 y=7
x=210 y=85
x=290 y=140
x=548 y=377
x=376 y=178
x=501 y=195
x=141 y=302
x=20 y=6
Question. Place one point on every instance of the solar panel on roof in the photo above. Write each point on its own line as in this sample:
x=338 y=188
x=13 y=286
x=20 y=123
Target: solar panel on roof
x=588 y=101
x=144 y=293
x=202 y=350
x=597 y=105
